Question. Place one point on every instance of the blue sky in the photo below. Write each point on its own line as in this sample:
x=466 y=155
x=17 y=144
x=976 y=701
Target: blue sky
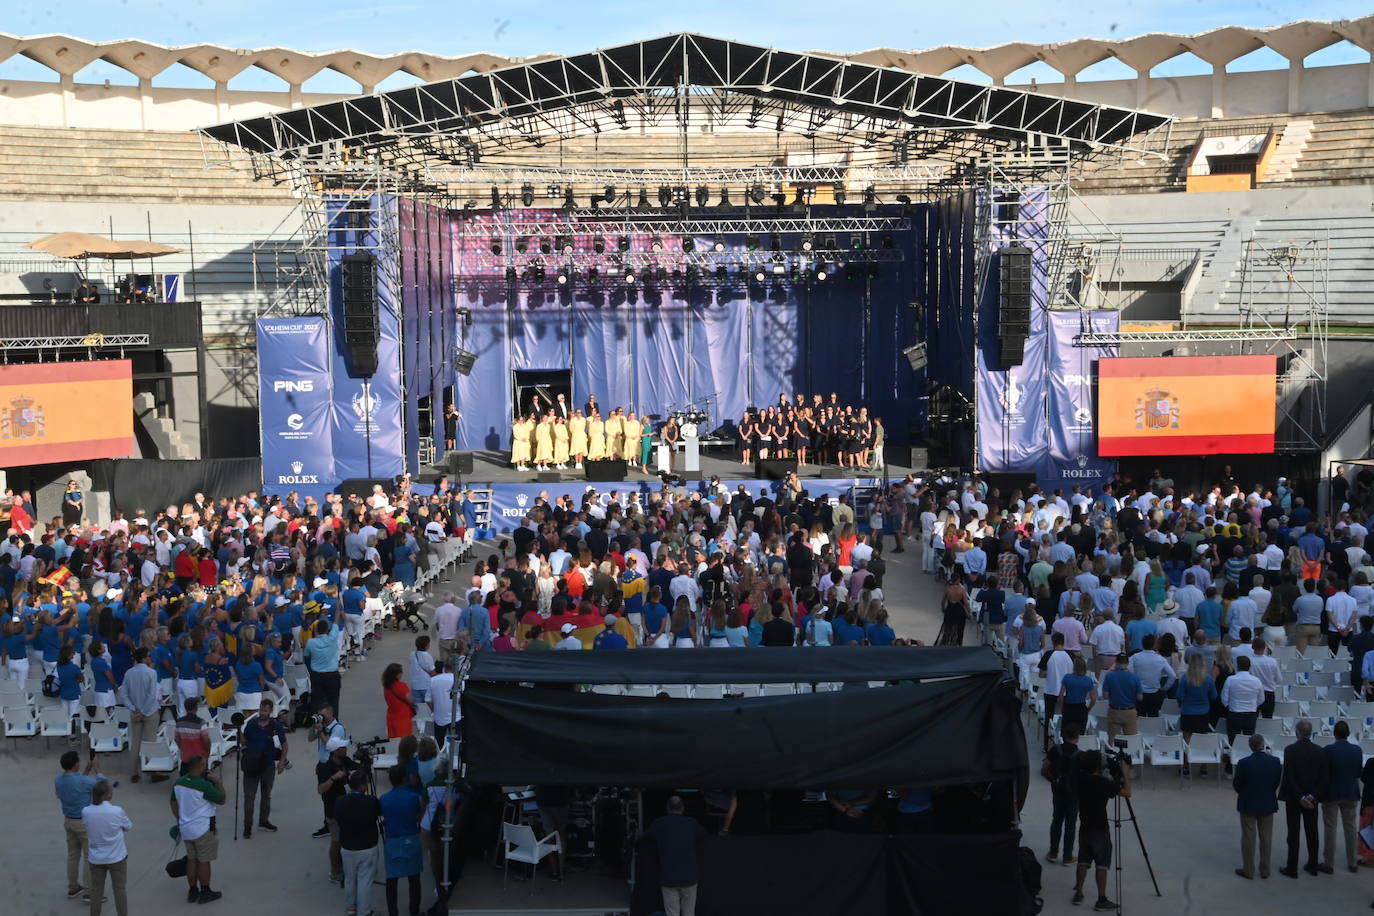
x=523 y=27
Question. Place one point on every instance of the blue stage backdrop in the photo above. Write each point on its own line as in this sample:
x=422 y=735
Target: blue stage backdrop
x=294 y=397
x=655 y=348
x=1071 y=459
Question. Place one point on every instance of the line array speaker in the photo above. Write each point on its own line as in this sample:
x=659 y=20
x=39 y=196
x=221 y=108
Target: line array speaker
x=360 y=319
x=1014 y=302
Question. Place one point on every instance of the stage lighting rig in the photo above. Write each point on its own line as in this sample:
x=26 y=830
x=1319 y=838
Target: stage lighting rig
x=916 y=356
x=643 y=199
x=885 y=240
x=565 y=244
x=703 y=195
x=779 y=266
x=808 y=242
x=870 y=199
x=545 y=245
x=725 y=200
x=569 y=202
x=665 y=196
x=821 y=274
x=495 y=244
x=828 y=242
x=759 y=274
x=562 y=276
x=722 y=273
x=839 y=194
x=630 y=275
x=527 y=195
x=599 y=245
x=688 y=243
x=511 y=276
x=751 y=241
x=656 y=244
x=608 y=193
x=623 y=243
x=775 y=241
x=495 y=198
x=522 y=244
x=593 y=275
x=719 y=243
x=756 y=193
x=555 y=190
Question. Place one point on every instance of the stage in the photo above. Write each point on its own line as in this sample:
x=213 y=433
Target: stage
x=494 y=467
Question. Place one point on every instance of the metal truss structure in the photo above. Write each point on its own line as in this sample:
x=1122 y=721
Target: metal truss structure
x=624 y=224
x=1223 y=335
x=770 y=176
x=84 y=341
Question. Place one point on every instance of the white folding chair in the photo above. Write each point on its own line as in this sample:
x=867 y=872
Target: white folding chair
x=157 y=757
x=20 y=722
x=107 y=738
x=709 y=692
x=1167 y=751
x=610 y=690
x=680 y=691
x=745 y=690
x=1287 y=709
x=1089 y=743
x=521 y=845
x=1324 y=715
x=1301 y=693
x=53 y=722
x=778 y=690
x=387 y=758
x=1134 y=749
x=640 y=690
x=1207 y=749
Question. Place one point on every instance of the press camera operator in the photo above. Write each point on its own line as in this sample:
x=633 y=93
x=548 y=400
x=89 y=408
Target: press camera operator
x=331 y=777
x=1100 y=779
x=323 y=729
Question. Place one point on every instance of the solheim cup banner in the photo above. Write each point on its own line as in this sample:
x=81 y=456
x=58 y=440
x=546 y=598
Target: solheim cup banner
x=294 y=405
x=1072 y=458
x=1186 y=405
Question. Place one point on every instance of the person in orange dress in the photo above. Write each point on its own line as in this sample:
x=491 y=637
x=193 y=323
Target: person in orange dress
x=400 y=706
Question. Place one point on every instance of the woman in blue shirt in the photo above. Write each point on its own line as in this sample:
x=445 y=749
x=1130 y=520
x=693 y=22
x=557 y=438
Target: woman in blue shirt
x=403 y=557
x=736 y=633
x=683 y=628
x=248 y=673
x=188 y=673
x=879 y=633
x=121 y=656
x=69 y=681
x=273 y=671
x=1077 y=692
x=401 y=811
x=716 y=627
x=103 y=675
x=48 y=637
x=1195 y=692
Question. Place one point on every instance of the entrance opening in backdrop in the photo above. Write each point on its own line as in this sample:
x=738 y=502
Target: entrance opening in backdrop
x=537 y=390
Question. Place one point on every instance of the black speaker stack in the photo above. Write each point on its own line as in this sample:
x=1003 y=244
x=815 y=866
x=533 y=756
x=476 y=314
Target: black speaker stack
x=360 y=319
x=459 y=463
x=609 y=469
x=774 y=468
x=1014 y=301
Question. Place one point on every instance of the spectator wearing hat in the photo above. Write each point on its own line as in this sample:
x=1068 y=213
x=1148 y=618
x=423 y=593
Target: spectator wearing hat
x=569 y=641
x=331 y=779
x=608 y=639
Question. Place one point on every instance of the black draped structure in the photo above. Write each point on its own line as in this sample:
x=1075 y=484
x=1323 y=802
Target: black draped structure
x=731 y=666
x=947 y=732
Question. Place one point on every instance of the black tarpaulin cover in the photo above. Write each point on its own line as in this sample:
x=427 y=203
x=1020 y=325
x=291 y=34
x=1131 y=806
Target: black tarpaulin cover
x=941 y=733
x=731 y=666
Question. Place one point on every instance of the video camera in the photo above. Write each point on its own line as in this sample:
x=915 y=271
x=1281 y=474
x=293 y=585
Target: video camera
x=365 y=751
x=1115 y=758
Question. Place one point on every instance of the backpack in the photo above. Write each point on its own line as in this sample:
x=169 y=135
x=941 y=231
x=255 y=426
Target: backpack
x=1031 y=902
x=50 y=686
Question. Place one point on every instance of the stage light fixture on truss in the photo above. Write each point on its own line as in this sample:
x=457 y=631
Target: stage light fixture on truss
x=661 y=275
x=691 y=273
x=608 y=194
x=612 y=271
x=565 y=244
x=511 y=276
x=794 y=272
x=856 y=240
x=725 y=200
x=527 y=195
x=665 y=196
x=528 y=276
x=722 y=273
x=759 y=273
x=630 y=277
x=495 y=244
x=916 y=356
x=775 y=241
x=539 y=275
x=555 y=190
x=719 y=243
x=463 y=360
x=885 y=240
x=756 y=193
x=779 y=266
x=870 y=199
x=495 y=198
x=643 y=199
x=593 y=275
x=703 y=195
x=839 y=194
x=808 y=242
x=656 y=244
x=522 y=244
x=623 y=243
x=599 y=245
x=545 y=245
x=688 y=243
x=563 y=276
x=751 y=241
x=569 y=202
x=820 y=273
x=828 y=242
x=677 y=275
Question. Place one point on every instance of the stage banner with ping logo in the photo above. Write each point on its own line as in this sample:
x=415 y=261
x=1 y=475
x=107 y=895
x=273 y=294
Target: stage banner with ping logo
x=1072 y=458
x=294 y=413
x=66 y=412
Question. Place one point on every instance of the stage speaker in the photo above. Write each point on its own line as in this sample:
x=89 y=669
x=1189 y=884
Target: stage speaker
x=897 y=455
x=548 y=477
x=833 y=473
x=691 y=475
x=362 y=486
x=1014 y=302
x=609 y=469
x=360 y=319
x=459 y=463
x=774 y=468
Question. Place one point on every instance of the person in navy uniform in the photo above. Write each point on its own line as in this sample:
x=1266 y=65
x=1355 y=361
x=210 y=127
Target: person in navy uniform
x=1256 y=781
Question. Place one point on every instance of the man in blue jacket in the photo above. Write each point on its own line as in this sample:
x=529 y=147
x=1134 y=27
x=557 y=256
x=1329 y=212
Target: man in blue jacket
x=1342 y=799
x=1256 y=782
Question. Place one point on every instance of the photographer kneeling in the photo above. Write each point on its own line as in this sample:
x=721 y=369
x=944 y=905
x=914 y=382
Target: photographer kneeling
x=1096 y=787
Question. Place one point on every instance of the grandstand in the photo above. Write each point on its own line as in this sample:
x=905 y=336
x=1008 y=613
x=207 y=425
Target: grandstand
x=1256 y=205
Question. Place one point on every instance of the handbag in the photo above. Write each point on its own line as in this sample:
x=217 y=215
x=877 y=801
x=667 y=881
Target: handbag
x=176 y=868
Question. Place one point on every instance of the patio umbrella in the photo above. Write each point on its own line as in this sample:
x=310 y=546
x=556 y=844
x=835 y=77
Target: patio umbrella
x=86 y=245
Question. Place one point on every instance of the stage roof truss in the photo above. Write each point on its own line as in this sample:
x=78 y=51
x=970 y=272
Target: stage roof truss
x=672 y=83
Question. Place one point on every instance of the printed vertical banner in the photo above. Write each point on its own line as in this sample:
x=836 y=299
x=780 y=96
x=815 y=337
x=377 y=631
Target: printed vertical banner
x=1072 y=459
x=294 y=415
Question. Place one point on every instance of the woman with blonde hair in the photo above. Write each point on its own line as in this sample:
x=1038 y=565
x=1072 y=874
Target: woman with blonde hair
x=1156 y=585
x=1222 y=668
x=1195 y=692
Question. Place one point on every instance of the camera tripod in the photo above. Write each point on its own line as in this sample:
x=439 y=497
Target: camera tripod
x=1117 y=820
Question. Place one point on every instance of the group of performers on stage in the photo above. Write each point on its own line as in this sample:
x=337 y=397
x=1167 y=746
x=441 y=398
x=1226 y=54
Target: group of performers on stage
x=828 y=432
x=560 y=438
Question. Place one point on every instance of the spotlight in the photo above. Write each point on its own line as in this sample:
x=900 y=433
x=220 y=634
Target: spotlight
x=688 y=243
x=527 y=195
x=665 y=195
x=807 y=242
x=495 y=244
x=751 y=241
x=528 y=275
x=661 y=275
x=630 y=275
x=539 y=274
x=839 y=194
x=495 y=197
x=643 y=199
x=522 y=244
x=656 y=244
x=725 y=200
x=870 y=199
x=775 y=241
x=756 y=193
x=719 y=244
x=511 y=276
x=703 y=194
x=871 y=269
x=623 y=243
x=545 y=246
x=916 y=356
x=779 y=268
x=555 y=190
x=569 y=203
x=612 y=270
x=821 y=273
x=856 y=240
x=828 y=242
x=608 y=193
x=677 y=275
x=463 y=360
x=599 y=245
x=885 y=240
x=562 y=277
x=722 y=273
x=759 y=274
x=565 y=244
x=592 y=276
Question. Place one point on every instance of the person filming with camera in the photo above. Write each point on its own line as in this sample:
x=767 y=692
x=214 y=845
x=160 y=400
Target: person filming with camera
x=323 y=729
x=331 y=777
x=1100 y=779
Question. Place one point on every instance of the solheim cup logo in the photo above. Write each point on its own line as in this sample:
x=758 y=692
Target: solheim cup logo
x=364 y=405
x=1158 y=409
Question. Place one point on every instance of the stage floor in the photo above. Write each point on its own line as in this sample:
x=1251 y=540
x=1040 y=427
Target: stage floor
x=493 y=467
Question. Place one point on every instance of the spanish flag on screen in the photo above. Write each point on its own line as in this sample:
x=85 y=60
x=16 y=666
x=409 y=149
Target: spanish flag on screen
x=219 y=685
x=1186 y=405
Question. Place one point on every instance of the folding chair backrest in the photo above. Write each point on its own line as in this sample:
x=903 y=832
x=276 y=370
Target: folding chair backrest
x=521 y=835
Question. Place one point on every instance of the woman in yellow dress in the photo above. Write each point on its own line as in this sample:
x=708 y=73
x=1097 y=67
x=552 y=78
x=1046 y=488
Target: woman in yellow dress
x=596 y=436
x=630 y=450
x=577 y=431
x=560 y=443
x=543 y=443
x=615 y=434
x=520 y=442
